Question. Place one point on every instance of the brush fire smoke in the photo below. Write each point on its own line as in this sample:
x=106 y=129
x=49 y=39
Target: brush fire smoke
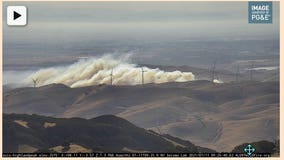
x=104 y=70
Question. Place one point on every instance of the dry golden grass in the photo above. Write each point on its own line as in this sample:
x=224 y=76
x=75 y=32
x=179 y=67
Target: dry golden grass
x=58 y=149
x=26 y=149
x=134 y=150
x=75 y=148
x=22 y=123
x=48 y=125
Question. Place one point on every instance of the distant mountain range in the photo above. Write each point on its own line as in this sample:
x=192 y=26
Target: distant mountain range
x=218 y=116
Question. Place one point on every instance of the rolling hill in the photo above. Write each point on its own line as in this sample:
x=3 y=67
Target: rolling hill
x=218 y=116
x=108 y=133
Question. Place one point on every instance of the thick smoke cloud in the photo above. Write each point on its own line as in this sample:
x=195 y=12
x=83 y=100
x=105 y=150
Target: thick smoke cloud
x=94 y=71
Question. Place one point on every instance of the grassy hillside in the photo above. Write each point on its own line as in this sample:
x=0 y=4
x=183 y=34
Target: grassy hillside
x=206 y=114
x=108 y=133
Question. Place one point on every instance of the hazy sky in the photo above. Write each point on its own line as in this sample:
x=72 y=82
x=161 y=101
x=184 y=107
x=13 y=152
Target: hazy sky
x=80 y=27
x=141 y=19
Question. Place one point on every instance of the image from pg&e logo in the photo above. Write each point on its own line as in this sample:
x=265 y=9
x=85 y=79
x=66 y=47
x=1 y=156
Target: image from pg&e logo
x=260 y=12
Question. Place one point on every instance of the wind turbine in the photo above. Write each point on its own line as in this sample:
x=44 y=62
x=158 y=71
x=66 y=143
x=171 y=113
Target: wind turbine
x=251 y=70
x=111 y=74
x=237 y=73
x=213 y=71
x=34 y=81
x=142 y=71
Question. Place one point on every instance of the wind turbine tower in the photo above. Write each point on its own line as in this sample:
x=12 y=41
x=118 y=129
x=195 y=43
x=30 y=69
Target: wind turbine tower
x=111 y=74
x=142 y=72
x=251 y=71
x=35 y=81
x=213 y=71
x=238 y=73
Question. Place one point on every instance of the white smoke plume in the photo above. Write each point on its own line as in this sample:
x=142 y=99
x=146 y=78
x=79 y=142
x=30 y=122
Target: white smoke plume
x=98 y=70
x=217 y=81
